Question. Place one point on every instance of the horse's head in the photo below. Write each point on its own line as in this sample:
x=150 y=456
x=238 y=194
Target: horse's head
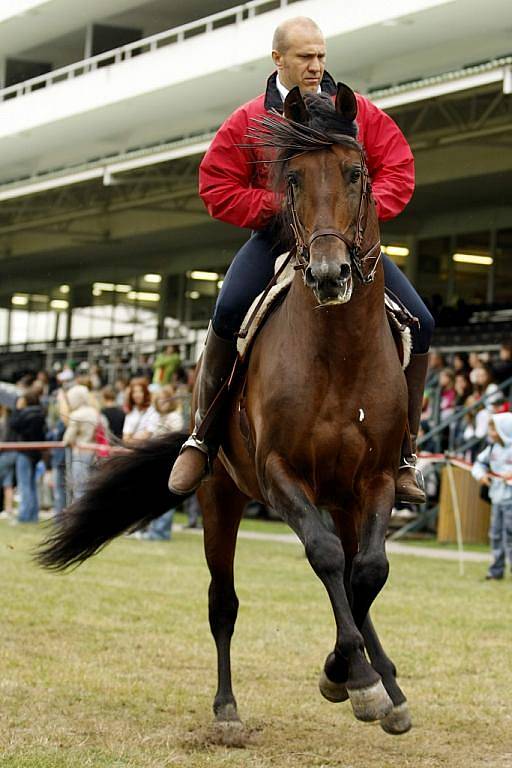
x=329 y=205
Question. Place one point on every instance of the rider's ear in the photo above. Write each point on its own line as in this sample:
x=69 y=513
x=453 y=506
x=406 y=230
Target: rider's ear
x=346 y=103
x=294 y=107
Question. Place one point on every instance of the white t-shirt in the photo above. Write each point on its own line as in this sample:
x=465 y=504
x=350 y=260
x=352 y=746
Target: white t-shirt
x=138 y=421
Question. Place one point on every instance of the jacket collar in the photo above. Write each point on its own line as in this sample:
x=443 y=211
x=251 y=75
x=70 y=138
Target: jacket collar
x=273 y=98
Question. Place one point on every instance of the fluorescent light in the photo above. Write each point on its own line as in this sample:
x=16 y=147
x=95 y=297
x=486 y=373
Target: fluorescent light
x=395 y=250
x=152 y=278
x=19 y=301
x=198 y=274
x=143 y=296
x=193 y=294
x=64 y=288
x=220 y=283
x=104 y=286
x=121 y=288
x=472 y=258
x=96 y=291
x=59 y=304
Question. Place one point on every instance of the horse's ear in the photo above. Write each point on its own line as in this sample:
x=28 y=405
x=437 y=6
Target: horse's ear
x=294 y=107
x=346 y=103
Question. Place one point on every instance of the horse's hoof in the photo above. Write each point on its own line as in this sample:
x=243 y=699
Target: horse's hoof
x=372 y=703
x=334 y=692
x=398 y=720
x=227 y=713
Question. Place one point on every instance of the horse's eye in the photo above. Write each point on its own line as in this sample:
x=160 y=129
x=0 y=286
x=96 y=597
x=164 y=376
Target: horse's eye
x=355 y=175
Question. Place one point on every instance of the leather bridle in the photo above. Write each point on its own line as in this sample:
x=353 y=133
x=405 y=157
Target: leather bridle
x=357 y=257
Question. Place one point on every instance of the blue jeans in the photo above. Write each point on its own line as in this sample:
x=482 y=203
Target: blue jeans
x=59 y=489
x=253 y=267
x=26 y=476
x=7 y=467
x=500 y=535
x=160 y=529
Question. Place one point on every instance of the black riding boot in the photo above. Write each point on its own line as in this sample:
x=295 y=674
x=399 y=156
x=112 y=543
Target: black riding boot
x=409 y=484
x=192 y=463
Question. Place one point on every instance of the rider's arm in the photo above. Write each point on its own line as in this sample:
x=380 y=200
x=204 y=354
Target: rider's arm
x=390 y=159
x=227 y=178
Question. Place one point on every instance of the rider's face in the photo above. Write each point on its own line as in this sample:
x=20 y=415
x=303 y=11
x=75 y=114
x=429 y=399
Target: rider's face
x=303 y=62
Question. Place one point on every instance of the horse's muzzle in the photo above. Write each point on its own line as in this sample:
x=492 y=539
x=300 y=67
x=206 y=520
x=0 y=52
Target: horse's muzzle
x=331 y=284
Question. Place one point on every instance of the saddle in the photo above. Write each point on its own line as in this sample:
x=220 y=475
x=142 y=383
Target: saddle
x=399 y=318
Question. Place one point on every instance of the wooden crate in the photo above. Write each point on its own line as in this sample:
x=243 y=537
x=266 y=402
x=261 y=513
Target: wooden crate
x=474 y=512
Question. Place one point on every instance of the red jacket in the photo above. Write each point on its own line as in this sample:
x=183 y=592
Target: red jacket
x=235 y=190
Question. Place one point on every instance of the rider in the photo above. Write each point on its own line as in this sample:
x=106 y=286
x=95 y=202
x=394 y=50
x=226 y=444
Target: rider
x=235 y=190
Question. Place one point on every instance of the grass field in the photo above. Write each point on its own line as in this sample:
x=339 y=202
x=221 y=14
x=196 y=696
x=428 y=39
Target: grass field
x=113 y=665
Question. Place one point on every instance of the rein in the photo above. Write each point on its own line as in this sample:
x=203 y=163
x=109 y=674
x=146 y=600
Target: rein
x=302 y=249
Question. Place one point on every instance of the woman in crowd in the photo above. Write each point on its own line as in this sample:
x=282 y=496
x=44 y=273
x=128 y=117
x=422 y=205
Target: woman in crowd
x=141 y=419
x=82 y=419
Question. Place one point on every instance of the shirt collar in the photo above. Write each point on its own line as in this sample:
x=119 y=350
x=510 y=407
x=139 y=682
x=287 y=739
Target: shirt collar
x=283 y=91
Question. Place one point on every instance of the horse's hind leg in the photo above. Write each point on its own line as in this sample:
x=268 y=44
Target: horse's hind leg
x=222 y=506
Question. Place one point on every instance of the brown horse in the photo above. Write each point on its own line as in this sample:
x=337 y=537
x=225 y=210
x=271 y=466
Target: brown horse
x=325 y=399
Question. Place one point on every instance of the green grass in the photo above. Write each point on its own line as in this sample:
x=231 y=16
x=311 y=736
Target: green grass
x=113 y=665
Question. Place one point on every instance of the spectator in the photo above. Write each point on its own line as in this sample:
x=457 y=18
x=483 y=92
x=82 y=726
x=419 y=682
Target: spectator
x=121 y=390
x=497 y=458
x=7 y=462
x=502 y=368
x=463 y=388
x=448 y=393
x=83 y=421
x=114 y=415
x=142 y=419
x=166 y=363
x=29 y=423
x=461 y=363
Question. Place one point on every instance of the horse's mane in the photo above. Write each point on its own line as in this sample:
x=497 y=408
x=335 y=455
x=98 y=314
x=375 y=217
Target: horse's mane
x=286 y=138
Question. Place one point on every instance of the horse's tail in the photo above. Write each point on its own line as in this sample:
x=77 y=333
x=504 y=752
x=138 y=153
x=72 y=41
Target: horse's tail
x=124 y=493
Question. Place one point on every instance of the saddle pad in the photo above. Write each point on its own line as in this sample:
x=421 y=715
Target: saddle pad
x=251 y=325
x=248 y=329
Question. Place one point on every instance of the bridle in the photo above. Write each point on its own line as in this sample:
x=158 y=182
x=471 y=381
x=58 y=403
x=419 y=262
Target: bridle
x=357 y=257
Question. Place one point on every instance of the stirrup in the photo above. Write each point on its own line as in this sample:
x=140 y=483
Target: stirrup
x=409 y=462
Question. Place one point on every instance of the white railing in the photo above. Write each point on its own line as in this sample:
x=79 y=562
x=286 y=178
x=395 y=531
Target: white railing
x=235 y=15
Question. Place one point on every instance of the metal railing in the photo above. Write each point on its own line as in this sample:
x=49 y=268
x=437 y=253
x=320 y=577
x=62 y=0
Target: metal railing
x=235 y=15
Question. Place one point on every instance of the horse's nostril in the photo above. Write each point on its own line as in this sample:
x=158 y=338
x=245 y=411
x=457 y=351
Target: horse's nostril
x=310 y=279
x=345 y=271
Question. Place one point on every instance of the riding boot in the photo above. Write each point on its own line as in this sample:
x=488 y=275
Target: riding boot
x=409 y=485
x=198 y=452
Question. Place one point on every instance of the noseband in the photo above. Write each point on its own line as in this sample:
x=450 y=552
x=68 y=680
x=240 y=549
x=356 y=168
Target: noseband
x=357 y=258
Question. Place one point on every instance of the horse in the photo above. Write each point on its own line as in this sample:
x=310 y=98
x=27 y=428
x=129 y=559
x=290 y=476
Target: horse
x=325 y=409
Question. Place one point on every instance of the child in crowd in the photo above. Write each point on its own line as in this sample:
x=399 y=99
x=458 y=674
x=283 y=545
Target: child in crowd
x=497 y=458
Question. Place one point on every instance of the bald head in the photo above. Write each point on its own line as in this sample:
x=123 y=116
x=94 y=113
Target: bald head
x=298 y=51
x=288 y=30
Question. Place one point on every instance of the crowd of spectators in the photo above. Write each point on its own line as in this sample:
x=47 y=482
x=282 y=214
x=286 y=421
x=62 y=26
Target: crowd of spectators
x=467 y=384
x=75 y=406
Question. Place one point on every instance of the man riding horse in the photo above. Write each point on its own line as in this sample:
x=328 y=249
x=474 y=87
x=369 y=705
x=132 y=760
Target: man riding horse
x=235 y=189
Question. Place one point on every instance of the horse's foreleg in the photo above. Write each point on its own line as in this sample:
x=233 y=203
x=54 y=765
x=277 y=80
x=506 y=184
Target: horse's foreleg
x=398 y=721
x=222 y=506
x=292 y=498
x=369 y=574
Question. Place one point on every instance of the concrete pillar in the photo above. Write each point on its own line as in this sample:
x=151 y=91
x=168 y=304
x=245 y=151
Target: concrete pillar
x=491 y=272
x=164 y=304
x=69 y=315
x=412 y=267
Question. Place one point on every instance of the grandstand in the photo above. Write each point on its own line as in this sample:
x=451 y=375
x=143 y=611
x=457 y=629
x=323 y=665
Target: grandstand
x=107 y=107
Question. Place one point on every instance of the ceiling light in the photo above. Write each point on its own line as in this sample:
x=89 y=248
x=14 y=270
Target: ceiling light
x=193 y=294
x=96 y=291
x=59 y=304
x=39 y=297
x=104 y=286
x=395 y=250
x=122 y=288
x=152 y=278
x=64 y=288
x=198 y=274
x=472 y=258
x=220 y=284
x=19 y=301
x=143 y=296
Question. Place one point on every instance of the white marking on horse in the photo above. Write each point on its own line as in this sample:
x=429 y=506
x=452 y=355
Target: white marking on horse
x=361 y=414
